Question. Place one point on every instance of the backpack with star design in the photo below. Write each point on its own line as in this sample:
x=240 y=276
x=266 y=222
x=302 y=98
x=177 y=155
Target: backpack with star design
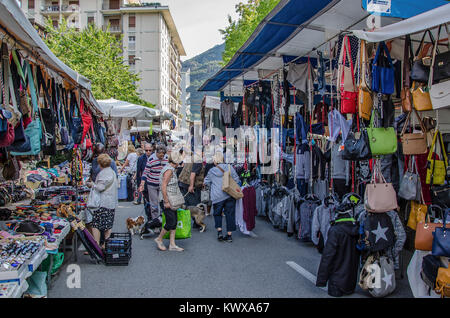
x=379 y=231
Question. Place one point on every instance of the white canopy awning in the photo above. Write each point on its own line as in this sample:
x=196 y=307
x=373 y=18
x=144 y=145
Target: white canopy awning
x=426 y=20
x=120 y=109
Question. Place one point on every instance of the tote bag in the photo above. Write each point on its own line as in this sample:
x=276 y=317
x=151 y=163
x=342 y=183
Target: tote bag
x=437 y=169
x=440 y=71
x=414 y=143
x=383 y=141
x=183 y=230
x=229 y=186
x=383 y=71
x=379 y=197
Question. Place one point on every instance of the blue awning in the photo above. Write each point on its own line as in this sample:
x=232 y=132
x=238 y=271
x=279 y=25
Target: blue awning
x=300 y=28
x=278 y=26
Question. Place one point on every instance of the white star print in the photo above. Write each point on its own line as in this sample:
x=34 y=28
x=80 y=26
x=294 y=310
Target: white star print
x=387 y=278
x=380 y=232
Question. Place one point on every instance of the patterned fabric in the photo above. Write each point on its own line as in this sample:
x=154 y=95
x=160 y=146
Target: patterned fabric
x=354 y=43
x=103 y=219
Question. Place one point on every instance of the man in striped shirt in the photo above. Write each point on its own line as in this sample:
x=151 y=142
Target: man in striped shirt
x=151 y=177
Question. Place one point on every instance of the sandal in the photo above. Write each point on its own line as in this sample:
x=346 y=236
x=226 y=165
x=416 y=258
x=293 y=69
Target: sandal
x=176 y=249
x=160 y=245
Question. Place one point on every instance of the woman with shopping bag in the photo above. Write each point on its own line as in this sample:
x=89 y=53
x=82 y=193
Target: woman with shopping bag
x=224 y=191
x=171 y=200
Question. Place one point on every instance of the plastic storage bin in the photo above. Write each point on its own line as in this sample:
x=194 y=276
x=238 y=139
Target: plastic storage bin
x=118 y=249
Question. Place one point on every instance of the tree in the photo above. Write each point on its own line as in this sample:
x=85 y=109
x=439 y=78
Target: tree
x=238 y=32
x=95 y=54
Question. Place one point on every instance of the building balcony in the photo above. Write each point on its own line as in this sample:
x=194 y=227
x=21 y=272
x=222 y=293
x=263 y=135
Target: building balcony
x=110 y=10
x=53 y=9
x=113 y=28
x=69 y=9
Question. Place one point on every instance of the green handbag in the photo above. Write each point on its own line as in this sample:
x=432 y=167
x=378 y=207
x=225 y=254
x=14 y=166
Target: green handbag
x=183 y=230
x=382 y=141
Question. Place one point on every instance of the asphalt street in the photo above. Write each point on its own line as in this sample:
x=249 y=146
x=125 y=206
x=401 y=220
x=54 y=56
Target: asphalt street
x=271 y=265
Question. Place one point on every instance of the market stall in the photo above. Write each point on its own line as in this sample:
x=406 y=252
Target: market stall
x=49 y=122
x=359 y=115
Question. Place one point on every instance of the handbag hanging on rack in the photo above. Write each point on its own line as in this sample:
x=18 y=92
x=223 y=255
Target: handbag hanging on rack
x=365 y=101
x=440 y=72
x=379 y=197
x=424 y=231
x=356 y=146
x=34 y=129
x=437 y=169
x=441 y=239
x=406 y=92
x=420 y=71
x=414 y=143
x=382 y=141
x=383 y=71
x=349 y=94
x=408 y=185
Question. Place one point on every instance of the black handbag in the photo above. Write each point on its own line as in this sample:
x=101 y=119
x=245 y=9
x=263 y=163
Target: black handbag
x=421 y=72
x=441 y=67
x=356 y=149
x=430 y=267
x=440 y=195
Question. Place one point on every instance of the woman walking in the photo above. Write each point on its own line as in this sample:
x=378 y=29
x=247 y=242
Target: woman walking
x=171 y=200
x=106 y=184
x=222 y=202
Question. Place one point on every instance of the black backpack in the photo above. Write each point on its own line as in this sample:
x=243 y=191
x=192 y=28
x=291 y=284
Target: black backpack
x=430 y=267
x=380 y=230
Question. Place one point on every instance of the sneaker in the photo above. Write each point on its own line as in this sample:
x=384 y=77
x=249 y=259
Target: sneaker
x=219 y=236
x=228 y=239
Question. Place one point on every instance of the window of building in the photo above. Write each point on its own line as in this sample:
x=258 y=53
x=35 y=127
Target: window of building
x=91 y=20
x=132 y=21
x=30 y=4
x=114 y=4
x=131 y=38
x=131 y=59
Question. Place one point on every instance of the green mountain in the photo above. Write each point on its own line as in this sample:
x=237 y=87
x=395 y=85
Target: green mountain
x=203 y=67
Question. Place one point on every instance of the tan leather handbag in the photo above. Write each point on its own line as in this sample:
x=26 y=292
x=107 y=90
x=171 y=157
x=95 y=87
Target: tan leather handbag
x=443 y=282
x=379 y=197
x=365 y=102
x=229 y=186
x=417 y=214
x=421 y=96
x=424 y=233
x=414 y=143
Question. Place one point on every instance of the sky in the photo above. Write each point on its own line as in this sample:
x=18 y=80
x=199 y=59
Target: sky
x=198 y=22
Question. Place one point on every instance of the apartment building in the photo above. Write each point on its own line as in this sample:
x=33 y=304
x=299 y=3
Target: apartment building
x=185 y=98
x=151 y=43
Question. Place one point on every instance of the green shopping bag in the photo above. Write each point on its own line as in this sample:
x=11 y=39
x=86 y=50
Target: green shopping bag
x=58 y=259
x=183 y=230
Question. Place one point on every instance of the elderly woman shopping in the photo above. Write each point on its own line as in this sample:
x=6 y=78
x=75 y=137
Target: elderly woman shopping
x=105 y=187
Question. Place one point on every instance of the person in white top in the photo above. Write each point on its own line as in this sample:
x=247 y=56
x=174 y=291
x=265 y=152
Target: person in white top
x=107 y=185
x=130 y=163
